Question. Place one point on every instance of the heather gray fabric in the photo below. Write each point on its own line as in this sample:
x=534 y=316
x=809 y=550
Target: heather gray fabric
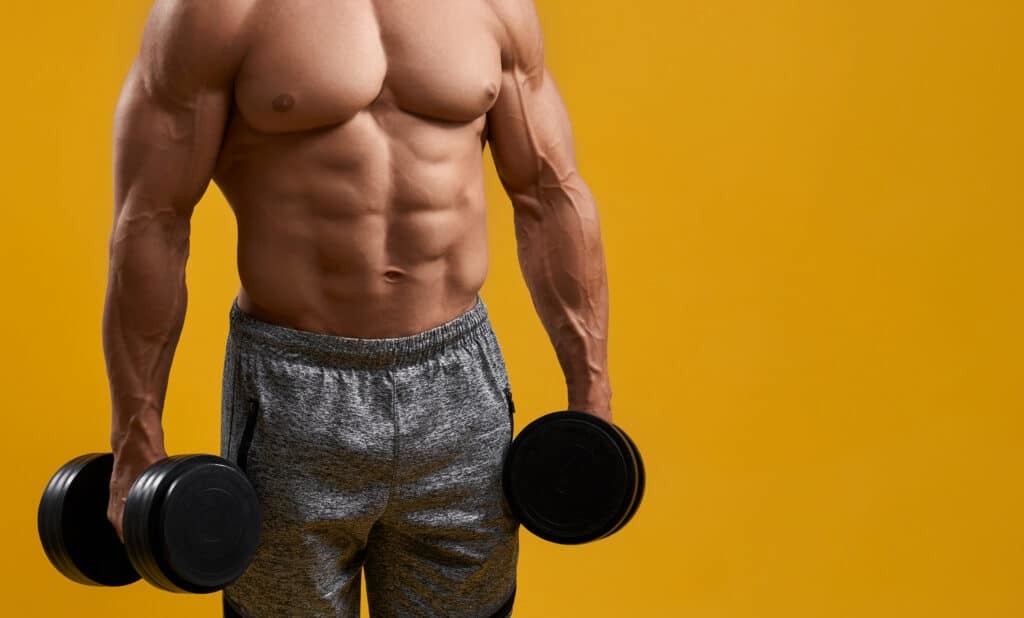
x=375 y=454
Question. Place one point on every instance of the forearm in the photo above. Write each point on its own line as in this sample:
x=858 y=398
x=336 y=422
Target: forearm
x=562 y=261
x=142 y=320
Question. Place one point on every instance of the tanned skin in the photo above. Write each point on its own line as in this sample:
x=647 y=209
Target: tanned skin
x=347 y=137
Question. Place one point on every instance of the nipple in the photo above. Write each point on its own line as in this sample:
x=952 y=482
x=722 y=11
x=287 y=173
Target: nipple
x=490 y=91
x=283 y=103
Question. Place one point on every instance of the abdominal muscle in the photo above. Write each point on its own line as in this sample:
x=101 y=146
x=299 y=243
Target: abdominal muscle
x=372 y=228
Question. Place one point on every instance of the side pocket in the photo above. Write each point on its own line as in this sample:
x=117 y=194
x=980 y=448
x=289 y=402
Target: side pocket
x=247 y=431
x=229 y=397
x=511 y=412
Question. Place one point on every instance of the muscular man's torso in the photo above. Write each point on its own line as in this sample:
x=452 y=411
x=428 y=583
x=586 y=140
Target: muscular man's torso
x=352 y=161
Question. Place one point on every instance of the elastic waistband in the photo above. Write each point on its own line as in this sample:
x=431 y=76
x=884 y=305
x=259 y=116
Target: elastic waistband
x=358 y=352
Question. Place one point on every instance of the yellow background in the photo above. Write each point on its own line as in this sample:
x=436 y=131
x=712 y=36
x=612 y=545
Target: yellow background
x=812 y=213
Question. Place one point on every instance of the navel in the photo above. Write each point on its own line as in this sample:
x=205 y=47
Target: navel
x=283 y=103
x=393 y=276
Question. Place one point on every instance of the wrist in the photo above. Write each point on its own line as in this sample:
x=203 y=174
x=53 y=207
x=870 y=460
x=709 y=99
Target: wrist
x=139 y=436
x=592 y=398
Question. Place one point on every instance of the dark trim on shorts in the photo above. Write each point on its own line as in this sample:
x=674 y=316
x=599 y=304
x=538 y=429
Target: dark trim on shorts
x=502 y=612
x=506 y=607
x=229 y=610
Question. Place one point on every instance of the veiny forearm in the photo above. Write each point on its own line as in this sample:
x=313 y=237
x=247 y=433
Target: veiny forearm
x=562 y=261
x=142 y=319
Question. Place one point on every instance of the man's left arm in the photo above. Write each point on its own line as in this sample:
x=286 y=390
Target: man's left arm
x=556 y=221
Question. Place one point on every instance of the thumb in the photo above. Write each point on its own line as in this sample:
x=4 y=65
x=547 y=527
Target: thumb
x=119 y=527
x=120 y=517
x=115 y=515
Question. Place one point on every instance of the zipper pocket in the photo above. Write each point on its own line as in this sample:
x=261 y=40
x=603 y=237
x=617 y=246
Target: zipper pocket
x=511 y=410
x=250 y=427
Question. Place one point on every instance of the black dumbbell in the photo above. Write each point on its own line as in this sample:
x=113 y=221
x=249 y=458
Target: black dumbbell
x=191 y=523
x=571 y=477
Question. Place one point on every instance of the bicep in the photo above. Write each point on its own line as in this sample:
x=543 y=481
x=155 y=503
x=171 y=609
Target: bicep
x=165 y=150
x=173 y=107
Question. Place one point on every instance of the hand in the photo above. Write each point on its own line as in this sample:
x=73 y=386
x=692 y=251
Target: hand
x=127 y=467
x=602 y=412
x=595 y=399
x=591 y=397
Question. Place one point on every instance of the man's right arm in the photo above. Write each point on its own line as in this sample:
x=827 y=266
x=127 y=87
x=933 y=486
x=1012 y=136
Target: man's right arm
x=168 y=126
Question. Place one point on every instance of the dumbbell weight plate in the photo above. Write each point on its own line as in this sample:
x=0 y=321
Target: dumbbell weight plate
x=640 y=484
x=194 y=523
x=210 y=519
x=73 y=527
x=571 y=477
x=138 y=537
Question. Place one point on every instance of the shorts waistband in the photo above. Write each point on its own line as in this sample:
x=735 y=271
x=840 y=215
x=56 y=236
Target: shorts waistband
x=358 y=352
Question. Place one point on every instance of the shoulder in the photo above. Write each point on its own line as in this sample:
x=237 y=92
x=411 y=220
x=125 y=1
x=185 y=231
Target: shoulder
x=192 y=43
x=522 y=42
x=202 y=23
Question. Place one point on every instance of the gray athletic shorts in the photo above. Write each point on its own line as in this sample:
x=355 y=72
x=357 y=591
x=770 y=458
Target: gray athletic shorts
x=376 y=454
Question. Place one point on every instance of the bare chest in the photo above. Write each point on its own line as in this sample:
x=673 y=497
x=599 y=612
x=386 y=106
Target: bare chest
x=314 y=63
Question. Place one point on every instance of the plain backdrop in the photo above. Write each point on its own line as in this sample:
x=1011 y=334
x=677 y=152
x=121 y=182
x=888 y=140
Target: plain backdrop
x=814 y=225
